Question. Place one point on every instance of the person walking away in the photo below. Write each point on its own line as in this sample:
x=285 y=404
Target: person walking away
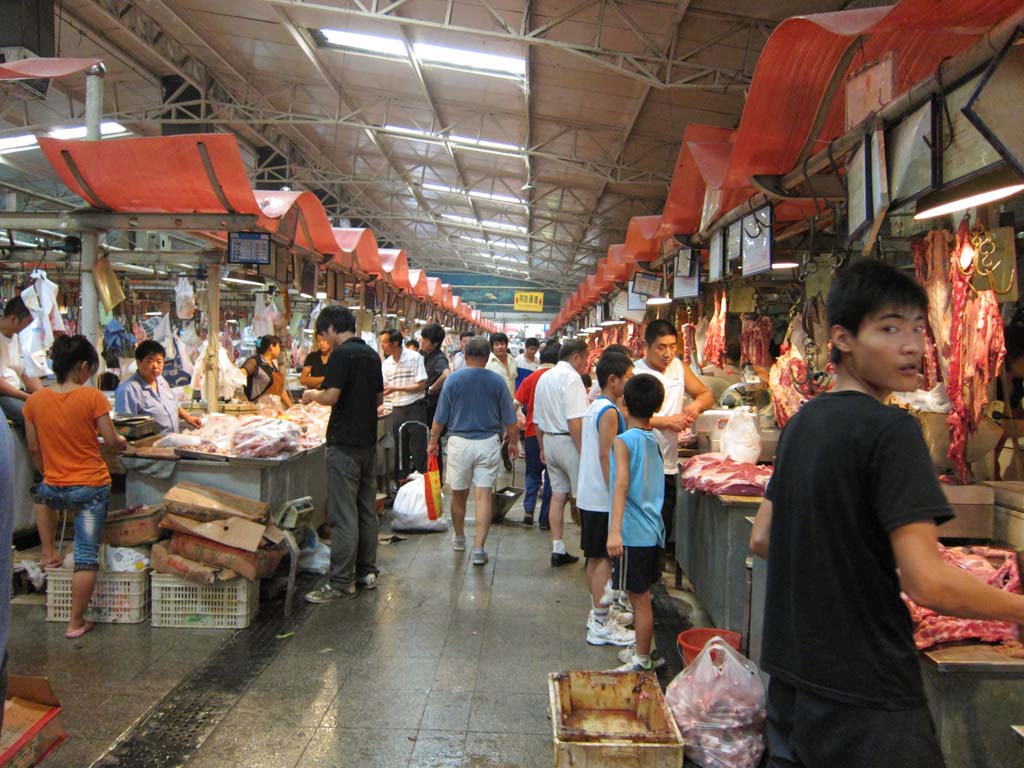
x=15 y=386
x=558 y=407
x=354 y=388
x=147 y=393
x=636 y=532
x=314 y=368
x=263 y=378
x=606 y=624
x=476 y=408
x=459 y=358
x=854 y=484
x=502 y=363
x=61 y=425
x=536 y=478
x=528 y=362
x=405 y=384
x=685 y=398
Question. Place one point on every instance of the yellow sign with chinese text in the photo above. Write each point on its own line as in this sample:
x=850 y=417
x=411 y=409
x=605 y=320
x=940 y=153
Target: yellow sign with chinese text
x=529 y=301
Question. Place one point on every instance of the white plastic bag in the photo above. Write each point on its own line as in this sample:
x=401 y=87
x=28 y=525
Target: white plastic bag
x=185 y=299
x=410 y=508
x=741 y=440
x=316 y=560
x=718 y=702
x=125 y=559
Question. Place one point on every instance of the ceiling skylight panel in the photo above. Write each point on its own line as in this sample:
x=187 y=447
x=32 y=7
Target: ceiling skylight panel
x=386 y=46
x=470 y=60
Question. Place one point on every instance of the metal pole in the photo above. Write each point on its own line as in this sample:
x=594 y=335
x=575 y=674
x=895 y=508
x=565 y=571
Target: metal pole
x=211 y=376
x=89 y=315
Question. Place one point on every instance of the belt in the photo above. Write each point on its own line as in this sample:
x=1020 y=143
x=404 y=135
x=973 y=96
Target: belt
x=557 y=434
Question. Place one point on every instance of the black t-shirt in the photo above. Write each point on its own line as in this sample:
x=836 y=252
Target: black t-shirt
x=355 y=369
x=848 y=471
x=315 y=363
x=435 y=363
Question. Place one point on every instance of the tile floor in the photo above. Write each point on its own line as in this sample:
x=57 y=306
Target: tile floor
x=443 y=665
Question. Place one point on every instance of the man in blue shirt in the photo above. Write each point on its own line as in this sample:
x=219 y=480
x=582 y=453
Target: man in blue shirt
x=147 y=392
x=476 y=407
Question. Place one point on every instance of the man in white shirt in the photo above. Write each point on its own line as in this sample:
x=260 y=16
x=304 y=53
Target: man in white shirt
x=502 y=363
x=559 y=404
x=15 y=386
x=528 y=362
x=685 y=397
x=459 y=358
x=405 y=382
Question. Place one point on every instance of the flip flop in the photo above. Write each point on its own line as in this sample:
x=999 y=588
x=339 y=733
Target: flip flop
x=44 y=564
x=74 y=634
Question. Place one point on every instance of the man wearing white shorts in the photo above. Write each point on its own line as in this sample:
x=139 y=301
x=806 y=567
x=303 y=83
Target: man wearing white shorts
x=476 y=408
x=559 y=405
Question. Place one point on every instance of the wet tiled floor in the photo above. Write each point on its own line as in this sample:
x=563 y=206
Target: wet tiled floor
x=443 y=665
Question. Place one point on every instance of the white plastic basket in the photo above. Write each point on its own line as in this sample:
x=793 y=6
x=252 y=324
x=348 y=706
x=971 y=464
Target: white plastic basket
x=119 y=598
x=181 y=603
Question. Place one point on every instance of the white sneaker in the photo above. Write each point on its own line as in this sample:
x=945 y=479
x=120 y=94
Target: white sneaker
x=609 y=633
x=619 y=616
x=369 y=581
x=459 y=543
x=657 y=660
x=634 y=665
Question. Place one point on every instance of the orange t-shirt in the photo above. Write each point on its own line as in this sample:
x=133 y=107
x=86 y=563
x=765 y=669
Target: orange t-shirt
x=65 y=424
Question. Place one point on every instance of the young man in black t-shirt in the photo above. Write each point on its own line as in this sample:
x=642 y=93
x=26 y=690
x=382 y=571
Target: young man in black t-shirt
x=354 y=387
x=853 y=498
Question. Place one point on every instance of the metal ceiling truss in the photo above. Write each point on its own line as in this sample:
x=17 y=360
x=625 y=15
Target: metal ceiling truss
x=647 y=63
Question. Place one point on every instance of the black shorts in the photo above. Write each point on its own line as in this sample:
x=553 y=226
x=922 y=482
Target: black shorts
x=594 y=533
x=825 y=732
x=637 y=569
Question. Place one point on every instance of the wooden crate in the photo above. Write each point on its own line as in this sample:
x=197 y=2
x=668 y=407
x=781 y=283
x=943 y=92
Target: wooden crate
x=612 y=720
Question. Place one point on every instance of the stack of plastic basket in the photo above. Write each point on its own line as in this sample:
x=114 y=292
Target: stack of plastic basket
x=180 y=603
x=119 y=598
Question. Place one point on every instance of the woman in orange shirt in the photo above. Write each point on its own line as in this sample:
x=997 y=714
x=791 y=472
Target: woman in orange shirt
x=61 y=424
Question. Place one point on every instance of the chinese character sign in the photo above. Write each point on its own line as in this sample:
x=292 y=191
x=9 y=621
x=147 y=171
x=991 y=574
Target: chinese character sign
x=529 y=301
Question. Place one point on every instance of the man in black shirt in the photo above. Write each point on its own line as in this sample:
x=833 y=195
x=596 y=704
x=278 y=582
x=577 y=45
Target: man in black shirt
x=315 y=367
x=436 y=364
x=353 y=386
x=853 y=498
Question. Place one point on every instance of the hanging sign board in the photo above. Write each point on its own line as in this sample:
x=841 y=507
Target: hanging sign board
x=857 y=183
x=993 y=107
x=529 y=301
x=646 y=283
x=716 y=268
x=686 y=280
x=757 y=241
x=908 y=158
x=248 y=248
x=879 y=188
x=734 y=241
x=965 y=151
x=308 y=278
x=869 y=90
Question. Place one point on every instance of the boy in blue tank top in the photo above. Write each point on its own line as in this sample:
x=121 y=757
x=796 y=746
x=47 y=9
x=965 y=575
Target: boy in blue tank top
x=636 y=532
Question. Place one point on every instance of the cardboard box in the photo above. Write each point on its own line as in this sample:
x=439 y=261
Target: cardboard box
x=198 y=502
x=973 y=507
x=32 y=725
x=133 y=526
x=248 y=565
x=163 y=561
x=233 y=532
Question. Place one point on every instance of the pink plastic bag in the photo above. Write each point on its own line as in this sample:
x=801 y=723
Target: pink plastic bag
x=718 y=702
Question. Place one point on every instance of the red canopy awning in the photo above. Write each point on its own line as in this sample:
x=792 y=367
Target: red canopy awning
x=434 y=290
x=39 y=68
x=642 y=240
x=418 y=283
x=363 y=244
x=300 y=217
x=395 y=264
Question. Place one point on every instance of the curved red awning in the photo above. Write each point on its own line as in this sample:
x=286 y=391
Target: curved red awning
x=434 y=290
x=363 y=244
x=681 y=215
x=300 y=217
x=642 y=240
x=29 y=69
x=418 y=283
x=394 y=263
x=166 y=174
x=446 y=297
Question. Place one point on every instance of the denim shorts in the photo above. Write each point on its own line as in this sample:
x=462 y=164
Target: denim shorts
x=89 y=503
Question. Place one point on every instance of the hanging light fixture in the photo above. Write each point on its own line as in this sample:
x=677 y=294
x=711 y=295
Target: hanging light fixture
x=985 y=188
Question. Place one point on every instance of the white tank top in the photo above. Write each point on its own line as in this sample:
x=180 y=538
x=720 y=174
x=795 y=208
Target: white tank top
x=594 y=494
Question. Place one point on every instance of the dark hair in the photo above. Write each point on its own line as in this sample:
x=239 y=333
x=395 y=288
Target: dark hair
x=587 y=381
x=413 y=344
x=108 y=381
x=612 y=364
x=478 y=348
x=69 y=351
x=617 y=349
x=549 y=355
x=867 y=287
x=570 y=348
x=147 y=348
x=498 y=338
x=340 y=319
x=1013 y=336
x=531 y=342
x=266 y=342
x=15 y=307
x=733 y=350
x=434 y=333
x=657 y=329
x=466 y=335
x=643 y=394
x=393 y=335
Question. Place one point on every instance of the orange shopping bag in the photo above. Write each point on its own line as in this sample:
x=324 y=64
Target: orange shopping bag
x=432 y=486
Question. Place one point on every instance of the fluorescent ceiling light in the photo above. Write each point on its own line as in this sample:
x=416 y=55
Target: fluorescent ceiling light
x=154 y=314
x=134 y=267
x=485 y=224
x=498 y=243
x=458 y=141
x=655 y=300
x=388 y=46
x=240 y=281
x=17 y=143
x=107 y=128
x=784 y=265
x=969 y=202
x=610 y=323
x=321 y=294
x=473 y=193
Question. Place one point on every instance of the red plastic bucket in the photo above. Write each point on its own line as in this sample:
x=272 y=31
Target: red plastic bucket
x=692 y=641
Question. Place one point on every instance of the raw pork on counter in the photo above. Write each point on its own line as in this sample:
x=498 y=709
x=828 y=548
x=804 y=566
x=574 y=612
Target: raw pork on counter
x=717 y=473
x=259 y=437
x=931 y=628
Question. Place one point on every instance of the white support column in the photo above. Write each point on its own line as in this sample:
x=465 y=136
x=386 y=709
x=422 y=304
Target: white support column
x=88 y=318
x=211 y=374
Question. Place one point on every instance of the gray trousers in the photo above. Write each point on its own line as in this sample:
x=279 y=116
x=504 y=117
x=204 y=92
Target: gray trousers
x=11 y=407
x=352 y=510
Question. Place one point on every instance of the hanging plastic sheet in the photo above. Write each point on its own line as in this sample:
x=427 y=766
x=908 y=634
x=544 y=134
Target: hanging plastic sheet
x=184 y=299
x=107 y=285
x=36 y=340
